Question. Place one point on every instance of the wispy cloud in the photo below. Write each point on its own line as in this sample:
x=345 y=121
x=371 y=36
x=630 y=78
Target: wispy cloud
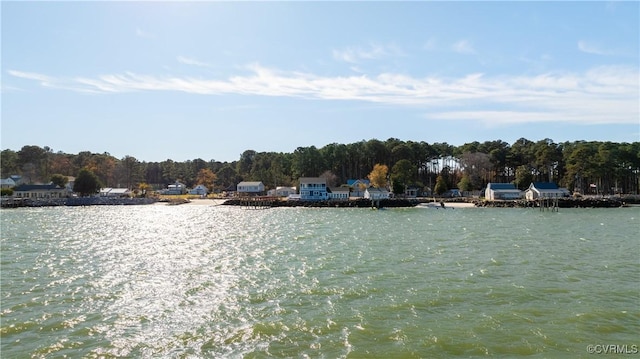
x=144 y=34
x=602 y=95
x=371 y=52
x=43 y=79
x=592 y=48
x=191 y=61
x=430 y=44
x=463 y=47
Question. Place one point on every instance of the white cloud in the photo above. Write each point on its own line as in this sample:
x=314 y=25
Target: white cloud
x=430 y=44
x=31 y=76
x=606 y=94
x=373 y=51
x=191 y=61
x=144 y=34
x=591 y=48
x=463 y=47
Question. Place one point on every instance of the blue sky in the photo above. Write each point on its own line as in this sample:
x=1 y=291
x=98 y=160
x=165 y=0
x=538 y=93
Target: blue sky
x=160 y=80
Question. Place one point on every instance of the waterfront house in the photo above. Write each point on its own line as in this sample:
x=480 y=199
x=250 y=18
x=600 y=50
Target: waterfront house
x=7 y=183
x=17 y=179
x=545 y=190
x=411 y=192
x=177 y=188
x=358 y=186
x=245 y=188
x=281 y=191
x=115 y=192
x=39 y=191
x=313 y=189
x=200 y=190
x=376 y=193
x=502 y=191
x=338 y=193
x=71 y=181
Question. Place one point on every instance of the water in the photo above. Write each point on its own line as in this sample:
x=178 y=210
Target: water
x=214 y=281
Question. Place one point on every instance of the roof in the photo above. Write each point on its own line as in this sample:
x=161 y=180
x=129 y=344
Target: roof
x=36 y=187
x=313 y=180
x=501 y=186
x=250 y=183
x=375 y=189
x=545 y=185
x=339 y=189
x=119 y=190
x=351 y=182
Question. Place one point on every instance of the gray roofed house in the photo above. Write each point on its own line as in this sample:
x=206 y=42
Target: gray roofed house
x=338 y=193
x=253 y=187
x=502 y=191
x=376 y=193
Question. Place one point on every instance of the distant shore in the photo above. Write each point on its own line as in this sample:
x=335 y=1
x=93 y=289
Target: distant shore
x=267 y=202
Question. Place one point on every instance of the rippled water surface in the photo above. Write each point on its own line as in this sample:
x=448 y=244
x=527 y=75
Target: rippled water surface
x=217 y=281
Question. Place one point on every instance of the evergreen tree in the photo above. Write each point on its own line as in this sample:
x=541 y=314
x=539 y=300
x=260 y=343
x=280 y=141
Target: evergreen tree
x=87 y=183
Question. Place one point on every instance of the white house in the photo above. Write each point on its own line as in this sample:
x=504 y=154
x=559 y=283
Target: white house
x=376 y=193
x=313 y=189
x=176 y=188
x=358 y=186
x=281 y=191
x=200 y=190
x=39 y=191
x=502 y=191
x=114 y=192
x=339 y=193
x=545 y=190
x=246 y=187
x=7 y=183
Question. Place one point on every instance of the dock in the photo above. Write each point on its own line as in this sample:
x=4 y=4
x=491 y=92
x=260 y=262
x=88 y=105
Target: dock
x=259 y=202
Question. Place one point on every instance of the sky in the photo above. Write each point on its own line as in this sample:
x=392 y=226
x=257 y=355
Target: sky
x=210 y=80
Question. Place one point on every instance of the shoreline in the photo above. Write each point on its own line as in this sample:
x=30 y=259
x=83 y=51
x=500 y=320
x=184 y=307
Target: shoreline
x=270 y=202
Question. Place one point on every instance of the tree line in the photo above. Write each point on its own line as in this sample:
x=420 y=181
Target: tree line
x=582 y=166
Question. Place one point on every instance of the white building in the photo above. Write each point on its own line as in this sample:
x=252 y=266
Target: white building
x=7 y=183
x=376 y=193
x=114 y=192
x=200 y=190
x=176 y=189
x=39 y=191
x=281 y=191
x=502 y=191
x=545 y=190
x=339 y=194
x=246 y=187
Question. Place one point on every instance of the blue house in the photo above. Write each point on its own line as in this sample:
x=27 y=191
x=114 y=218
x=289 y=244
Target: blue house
x=313 y=189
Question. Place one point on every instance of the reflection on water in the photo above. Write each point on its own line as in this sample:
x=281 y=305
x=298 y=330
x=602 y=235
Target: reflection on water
x=175 y=281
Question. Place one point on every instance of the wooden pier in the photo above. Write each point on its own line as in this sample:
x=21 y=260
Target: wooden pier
x=262 y=202
x=548 y=204
x=12 y=202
